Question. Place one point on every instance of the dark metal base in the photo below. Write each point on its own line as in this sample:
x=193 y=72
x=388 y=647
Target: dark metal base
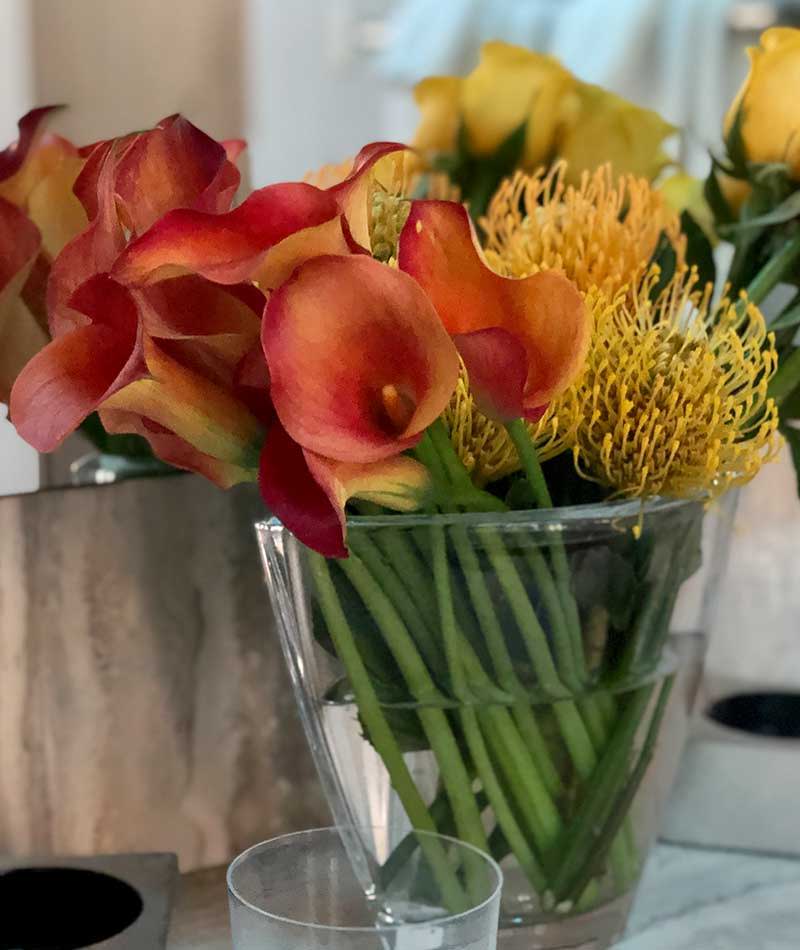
x=108 y=902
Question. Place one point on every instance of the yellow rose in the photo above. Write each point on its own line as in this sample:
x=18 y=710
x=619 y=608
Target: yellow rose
x=439 y=101
x=770 y=100
x=603 y=127
x=509 y=86
x=735 y=191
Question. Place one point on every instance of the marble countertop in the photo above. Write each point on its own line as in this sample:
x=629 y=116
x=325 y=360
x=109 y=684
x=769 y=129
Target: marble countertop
x=690 y=899
x=705 y=899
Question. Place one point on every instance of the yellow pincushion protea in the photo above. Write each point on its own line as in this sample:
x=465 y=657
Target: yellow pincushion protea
x=485 y=447
x=674 y=394
x=601 y=233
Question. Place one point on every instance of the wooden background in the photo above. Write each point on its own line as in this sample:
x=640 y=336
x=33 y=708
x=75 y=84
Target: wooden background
x=144 y=703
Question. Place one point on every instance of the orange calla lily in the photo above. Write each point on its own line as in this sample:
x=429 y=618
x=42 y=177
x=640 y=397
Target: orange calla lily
x=360 y=364
x=273 y=231
x=533 y=332
x=38 y=214
x=21 y=336
x=309 y=493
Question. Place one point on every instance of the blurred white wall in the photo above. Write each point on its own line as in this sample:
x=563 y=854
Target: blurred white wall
x=19 y=464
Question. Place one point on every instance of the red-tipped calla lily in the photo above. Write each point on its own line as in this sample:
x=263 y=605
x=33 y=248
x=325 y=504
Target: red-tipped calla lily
x=38 y=215
x=360 y=364
x=542 y=316
x=273 y=231
x=309 y=493
x=73 y=375
x=21 y=336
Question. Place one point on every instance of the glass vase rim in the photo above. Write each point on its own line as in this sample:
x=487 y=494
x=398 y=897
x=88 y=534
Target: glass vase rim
x=629 y=510
x=383 y=928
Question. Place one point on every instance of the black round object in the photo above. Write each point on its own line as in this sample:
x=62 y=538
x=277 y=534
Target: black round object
x=63 y=908
x=763 y=714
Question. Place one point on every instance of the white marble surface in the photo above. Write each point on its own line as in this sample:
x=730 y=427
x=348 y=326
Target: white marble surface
x=699 y=899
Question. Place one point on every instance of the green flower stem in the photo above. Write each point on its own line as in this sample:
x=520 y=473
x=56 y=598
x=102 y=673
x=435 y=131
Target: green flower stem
x=527 y=621
x=469 y=721
x=602 y=786
x=774 y=271
x=381 y=735
x=368 y=552
x=786 y=380
x=501 y=659
x=529 y=457
x=523 y=783
x=545 y=817
x=466 y=492
x=434 y=721
x=624 y=800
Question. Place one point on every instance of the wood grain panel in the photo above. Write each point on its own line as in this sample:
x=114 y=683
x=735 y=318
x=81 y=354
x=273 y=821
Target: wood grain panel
x=144 y=703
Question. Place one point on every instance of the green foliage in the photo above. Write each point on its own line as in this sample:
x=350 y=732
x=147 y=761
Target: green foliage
x=789 y=316
x=734 y=146
x=129 y=446
x=667 y=260
x=478 y=176
x=792 y=436
x=699 y=251
x=716 y=200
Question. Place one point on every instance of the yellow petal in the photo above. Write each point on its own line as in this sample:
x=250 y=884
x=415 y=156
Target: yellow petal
x=512 y=85
x=438 y=98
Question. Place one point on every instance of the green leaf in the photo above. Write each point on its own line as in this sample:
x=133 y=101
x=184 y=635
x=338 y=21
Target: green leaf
x=734 y=145
x=789 y=316
x=667 y=260
x=792 y=437
x=787 y=210
x=717 y=201
x=790 y=407
x=698 y=249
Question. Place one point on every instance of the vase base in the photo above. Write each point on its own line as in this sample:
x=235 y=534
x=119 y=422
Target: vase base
x=598 y=929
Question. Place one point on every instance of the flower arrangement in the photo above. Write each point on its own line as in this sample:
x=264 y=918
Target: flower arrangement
x=535 y=333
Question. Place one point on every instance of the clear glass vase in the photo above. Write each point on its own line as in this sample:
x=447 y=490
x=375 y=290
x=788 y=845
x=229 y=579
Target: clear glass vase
x=507 y=680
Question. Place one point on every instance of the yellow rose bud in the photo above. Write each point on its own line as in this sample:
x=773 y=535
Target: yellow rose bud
x=770 y=101
x=438 y=98
x=512 y=85
x=683 y=192
x=603 y=127
x=735 y=191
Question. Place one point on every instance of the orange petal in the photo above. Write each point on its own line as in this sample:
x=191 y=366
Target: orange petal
x=73 y=375
x=353 y=194
x=292 y=494
x=92 y=252
x=173 y=450
x=15 y=180
x=545 y=312
x=497 y=366
x=309 y=493
x=203 y=413
x=232 y=247
x=360 y=364
x=21 y=337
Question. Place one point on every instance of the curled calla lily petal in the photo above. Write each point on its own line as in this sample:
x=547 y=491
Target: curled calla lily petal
x=75 y=373
x=544 y=312
x=353 y=193
x=174 y=450
x=91 y=252
x=360 y=364
x=309 y=493
x=272 y=232
x=199 y=410
x=174 y=165
x=497 y=366
x=14 y=158
x=21 y=335
x=292 y=493
x=234 y=247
